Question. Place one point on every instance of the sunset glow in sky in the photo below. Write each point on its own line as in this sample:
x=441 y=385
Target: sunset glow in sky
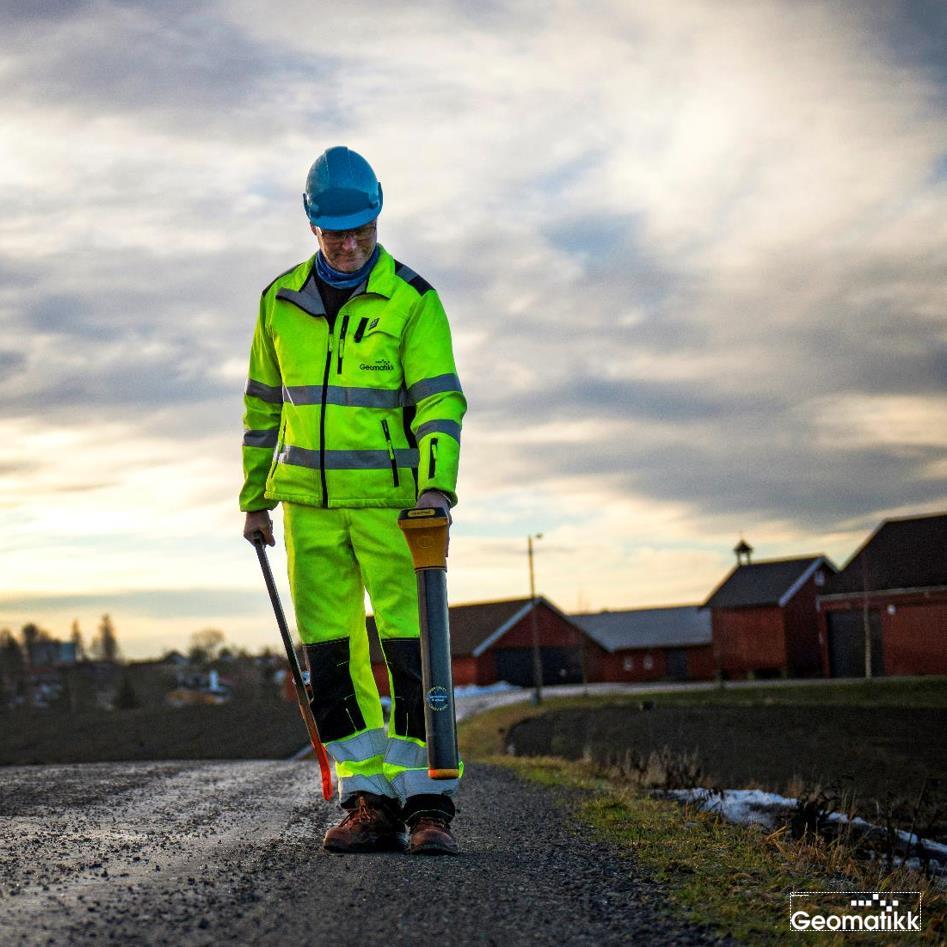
x=693 y=254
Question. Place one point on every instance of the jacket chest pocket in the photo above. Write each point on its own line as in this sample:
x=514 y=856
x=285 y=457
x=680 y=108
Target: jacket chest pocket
x=373 y=350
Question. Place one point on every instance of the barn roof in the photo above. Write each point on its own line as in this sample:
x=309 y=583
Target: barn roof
x=772 y=582
x=904 y=553
x=670 y=627
x=475 y=627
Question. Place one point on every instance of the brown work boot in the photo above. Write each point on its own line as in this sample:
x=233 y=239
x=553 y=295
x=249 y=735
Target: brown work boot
x=372 y=824
x=430 y=835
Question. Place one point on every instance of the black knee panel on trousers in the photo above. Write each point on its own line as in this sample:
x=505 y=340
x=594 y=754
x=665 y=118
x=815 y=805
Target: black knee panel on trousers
x=403 y=657
x=333 y=695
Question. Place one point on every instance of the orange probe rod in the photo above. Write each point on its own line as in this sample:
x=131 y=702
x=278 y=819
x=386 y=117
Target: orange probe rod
x=303 y=691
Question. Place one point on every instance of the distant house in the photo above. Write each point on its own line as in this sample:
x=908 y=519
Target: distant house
x=764 y=617
x=493 y=641
x=174 y=658
x=647 y=644
x=50 y=653
x=896 y=582
x=200 y=689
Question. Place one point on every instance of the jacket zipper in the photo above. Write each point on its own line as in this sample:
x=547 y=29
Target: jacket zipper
x=322 y=420
x=432 y=462
x=342 y=331
x=360 y=331
x=391 y=452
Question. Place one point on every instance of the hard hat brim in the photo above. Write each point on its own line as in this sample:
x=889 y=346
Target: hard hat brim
x=346 y=222
x=343 y=209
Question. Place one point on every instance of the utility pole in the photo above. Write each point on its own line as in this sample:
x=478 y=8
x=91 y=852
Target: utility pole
x=866 y=615
x=537 y=654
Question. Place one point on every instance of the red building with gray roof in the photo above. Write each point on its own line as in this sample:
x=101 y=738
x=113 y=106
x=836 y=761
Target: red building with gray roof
x=896 y=585
x=649 y=644
x=493 y=641
x=764 y=617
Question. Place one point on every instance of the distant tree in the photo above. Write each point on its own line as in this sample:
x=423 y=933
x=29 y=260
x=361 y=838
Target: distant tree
x=126 y=698
x=31 y=634
x=205 y=645
x=76 y=639
x=12 y=667
x=105 y=643
x=11 y=655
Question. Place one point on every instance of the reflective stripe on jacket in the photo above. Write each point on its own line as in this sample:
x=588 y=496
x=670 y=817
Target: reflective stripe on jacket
x=368 y=415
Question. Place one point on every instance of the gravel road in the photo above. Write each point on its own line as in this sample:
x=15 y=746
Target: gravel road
x=203 y=853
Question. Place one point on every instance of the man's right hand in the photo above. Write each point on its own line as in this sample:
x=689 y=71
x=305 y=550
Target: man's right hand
x=259 y=523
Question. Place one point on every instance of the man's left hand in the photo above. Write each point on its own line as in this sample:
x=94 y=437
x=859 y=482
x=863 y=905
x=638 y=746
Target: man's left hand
x=434 y=499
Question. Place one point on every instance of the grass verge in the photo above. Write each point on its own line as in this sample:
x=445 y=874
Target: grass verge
x=734 y=878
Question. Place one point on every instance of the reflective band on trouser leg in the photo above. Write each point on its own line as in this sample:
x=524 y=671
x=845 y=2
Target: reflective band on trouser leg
x=328 y=596
x=388 y=571
x=359 y=763
x=352 y=781
x=416 y=782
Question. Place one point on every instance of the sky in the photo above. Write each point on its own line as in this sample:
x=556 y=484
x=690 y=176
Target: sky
x=693 y=255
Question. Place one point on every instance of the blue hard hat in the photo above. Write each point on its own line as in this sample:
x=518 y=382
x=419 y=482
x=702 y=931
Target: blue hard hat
x=342 y=192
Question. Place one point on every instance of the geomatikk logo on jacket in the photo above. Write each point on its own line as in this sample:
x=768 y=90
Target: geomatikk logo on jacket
x=381 y=365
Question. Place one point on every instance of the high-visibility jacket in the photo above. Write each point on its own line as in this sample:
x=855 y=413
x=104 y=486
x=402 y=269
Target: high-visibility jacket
x=367 y=415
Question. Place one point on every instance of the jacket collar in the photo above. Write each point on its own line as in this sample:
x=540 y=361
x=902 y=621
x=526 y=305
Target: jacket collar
x=381 y=282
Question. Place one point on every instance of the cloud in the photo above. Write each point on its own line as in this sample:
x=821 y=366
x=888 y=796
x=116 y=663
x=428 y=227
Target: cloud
x=172 y=65
x=693 y=254
x=197 y=603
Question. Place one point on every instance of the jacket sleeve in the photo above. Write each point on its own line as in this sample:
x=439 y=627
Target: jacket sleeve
x=434 y=388
x=263 y=407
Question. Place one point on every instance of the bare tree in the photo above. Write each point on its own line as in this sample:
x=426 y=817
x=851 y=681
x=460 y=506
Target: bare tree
x=76 y=639
x=205 y=645
x=12 y=667
x=32 y=635
x=105 y=643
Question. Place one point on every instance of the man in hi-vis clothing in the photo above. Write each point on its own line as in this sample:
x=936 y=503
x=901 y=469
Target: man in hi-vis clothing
x=353 y=412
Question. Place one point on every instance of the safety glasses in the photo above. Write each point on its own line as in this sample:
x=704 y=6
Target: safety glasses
x=336 y=238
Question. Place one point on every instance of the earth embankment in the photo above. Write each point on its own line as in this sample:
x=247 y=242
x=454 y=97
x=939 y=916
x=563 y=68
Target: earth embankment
x=239 y=730
x=879 y=753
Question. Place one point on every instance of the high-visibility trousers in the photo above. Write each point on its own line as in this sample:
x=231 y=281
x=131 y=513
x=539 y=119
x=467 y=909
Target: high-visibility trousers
x=334 y=556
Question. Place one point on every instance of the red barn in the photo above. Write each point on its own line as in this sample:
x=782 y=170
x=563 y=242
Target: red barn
x=765 y=622
x=493 y=641
x=650 y=644
x=896 y=583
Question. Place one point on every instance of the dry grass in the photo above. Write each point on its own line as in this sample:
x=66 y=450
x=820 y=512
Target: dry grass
x=735 y=878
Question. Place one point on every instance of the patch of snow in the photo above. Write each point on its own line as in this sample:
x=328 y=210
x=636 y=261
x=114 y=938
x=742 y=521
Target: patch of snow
x=739 y=805
x=753 y=806
x=478 y=690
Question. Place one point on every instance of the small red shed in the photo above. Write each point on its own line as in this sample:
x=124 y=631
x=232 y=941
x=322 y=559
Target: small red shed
x=764 y=618
x=896 y=583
